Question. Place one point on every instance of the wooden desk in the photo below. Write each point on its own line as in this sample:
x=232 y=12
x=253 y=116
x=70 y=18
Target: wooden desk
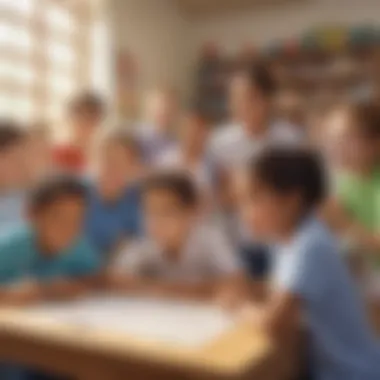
x=84 y=353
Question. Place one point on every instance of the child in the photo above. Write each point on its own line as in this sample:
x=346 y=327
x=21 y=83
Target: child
x=156 y=135
x=47 y=257
x=191 y=154
x=284 y=188
x=12 y=175
x=85 y=113
x=113 y=213
x=354 y=210
x=180 y=256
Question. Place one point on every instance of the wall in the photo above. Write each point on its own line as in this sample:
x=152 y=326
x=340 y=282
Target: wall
x=156 y=34
x=267 y=23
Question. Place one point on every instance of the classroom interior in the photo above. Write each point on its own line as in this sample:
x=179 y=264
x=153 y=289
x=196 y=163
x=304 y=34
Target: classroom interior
x=123 y=58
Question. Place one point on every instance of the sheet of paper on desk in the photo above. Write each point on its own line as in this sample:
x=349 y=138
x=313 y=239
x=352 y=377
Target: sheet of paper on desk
x=183 y=323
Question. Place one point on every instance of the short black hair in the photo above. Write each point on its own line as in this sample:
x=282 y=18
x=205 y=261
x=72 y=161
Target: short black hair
x=178 y=183
x=259 y=76
x=288 y=169
x=87 y=101
x=10 y=134
x=54 y=188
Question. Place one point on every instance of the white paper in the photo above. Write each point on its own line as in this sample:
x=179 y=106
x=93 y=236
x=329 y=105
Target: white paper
x=182 y=323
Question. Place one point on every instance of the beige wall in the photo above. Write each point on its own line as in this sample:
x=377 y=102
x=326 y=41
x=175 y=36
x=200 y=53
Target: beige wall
x=156 y=33
x=166 y=44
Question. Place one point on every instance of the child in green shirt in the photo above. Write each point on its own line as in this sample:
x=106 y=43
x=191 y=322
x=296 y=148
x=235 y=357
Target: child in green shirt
x=354 y=210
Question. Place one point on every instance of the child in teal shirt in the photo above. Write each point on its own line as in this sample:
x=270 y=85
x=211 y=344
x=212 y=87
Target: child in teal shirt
x=47 y=257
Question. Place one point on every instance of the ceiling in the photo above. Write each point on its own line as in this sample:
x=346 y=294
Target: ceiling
x=199 y=8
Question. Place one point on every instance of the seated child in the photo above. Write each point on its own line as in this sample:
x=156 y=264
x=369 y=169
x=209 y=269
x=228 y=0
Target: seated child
x=309 y=281
x=113 y=214
x=85 y=114
x=12 y=175
x=180 y=255
x=354 y=208
x=47 y=257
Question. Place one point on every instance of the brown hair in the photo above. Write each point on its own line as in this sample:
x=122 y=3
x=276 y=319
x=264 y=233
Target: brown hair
x=122 y=137
x=366 y=116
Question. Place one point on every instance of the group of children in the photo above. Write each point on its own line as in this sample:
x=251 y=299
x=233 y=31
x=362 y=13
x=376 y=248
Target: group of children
x=173 y=207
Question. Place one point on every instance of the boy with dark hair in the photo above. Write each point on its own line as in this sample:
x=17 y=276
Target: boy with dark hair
x=113 y=214
x=86 y=112
x=251 y=94
x=180 y=255
x=253 y=125
x=284 y=189
x=47 y=257
x=13 y=174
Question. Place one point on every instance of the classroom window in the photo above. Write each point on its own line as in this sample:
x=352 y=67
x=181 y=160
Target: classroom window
x=45 y=55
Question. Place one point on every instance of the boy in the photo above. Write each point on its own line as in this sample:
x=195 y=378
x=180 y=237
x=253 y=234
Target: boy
x=156 y=135
x=284 y=188
x=113 y=213
x=180 y=256
x=13 y=175
x=48 y=258
x=251 y=95
x=354 y=208
x=85 y=112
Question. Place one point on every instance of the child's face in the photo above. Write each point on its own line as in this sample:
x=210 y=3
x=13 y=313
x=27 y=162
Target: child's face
x=59 y=224
x=347 y=145
x=13 y=166
x=194 y=133
x=247 y=104
x=115 y=166
x=266 y=213
x=167 y=221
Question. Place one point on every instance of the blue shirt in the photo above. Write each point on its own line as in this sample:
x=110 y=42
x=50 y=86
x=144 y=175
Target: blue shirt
x=108 y=223
x=20 y=258
x=343 y=346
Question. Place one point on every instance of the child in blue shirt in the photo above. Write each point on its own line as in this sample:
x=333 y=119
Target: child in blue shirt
x=113 y=214
x=283 y=188
x=48 y=257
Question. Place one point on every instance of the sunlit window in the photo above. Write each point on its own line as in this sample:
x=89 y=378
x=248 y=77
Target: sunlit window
x=42 y=54
x=20 y=7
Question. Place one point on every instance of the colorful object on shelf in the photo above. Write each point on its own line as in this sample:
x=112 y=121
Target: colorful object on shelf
x=363 y=36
